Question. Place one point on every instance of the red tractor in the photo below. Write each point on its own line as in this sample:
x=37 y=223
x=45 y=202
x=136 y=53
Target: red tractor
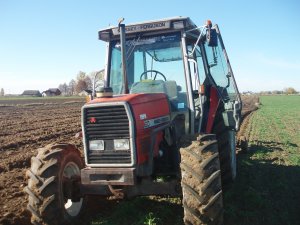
x=170 y=109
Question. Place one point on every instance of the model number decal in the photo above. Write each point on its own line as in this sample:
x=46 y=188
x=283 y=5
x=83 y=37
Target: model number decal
x=156 y=121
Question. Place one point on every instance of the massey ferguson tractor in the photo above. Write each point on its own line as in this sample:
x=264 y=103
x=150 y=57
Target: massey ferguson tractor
x=164 y=124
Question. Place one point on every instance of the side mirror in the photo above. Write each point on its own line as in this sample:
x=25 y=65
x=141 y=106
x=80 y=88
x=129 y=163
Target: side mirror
x=179 y=88
x=212 y=37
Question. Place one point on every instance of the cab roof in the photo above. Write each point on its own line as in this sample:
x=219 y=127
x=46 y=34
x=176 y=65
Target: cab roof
x=167 y=24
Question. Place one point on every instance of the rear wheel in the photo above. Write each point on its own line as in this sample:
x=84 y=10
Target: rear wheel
x=53 y=185
x=201 y=181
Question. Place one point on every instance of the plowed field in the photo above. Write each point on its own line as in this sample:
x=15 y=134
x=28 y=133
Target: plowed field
x=25 y=126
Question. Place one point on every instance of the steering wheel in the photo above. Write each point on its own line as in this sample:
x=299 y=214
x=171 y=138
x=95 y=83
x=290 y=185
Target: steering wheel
x=153 y=71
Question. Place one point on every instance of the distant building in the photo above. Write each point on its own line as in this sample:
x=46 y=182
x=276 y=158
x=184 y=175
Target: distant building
x=85 y=93
x=247 y=93
x=32 y=93
x=52 y=92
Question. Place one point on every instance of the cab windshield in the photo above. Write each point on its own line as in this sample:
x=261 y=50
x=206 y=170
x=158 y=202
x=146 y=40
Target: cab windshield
x=154 y=65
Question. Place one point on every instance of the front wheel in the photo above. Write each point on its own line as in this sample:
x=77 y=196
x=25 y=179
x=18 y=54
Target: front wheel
x=201 y=181
x=227 y=149
x=53 y=190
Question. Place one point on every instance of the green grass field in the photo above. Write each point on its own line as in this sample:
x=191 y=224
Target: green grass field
x=267 y=189
x=141 y=211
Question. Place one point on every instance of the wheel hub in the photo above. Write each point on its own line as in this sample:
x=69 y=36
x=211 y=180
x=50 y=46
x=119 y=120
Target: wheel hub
x=71 y=173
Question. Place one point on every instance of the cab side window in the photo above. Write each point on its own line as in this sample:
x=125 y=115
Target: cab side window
x=197 y=70
x=220 y=71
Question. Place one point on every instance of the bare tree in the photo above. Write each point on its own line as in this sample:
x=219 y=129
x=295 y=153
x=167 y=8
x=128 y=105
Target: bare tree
x=72 y=86
x=88 y=82
x=81 y=75
x=276 y=92
x=290 y=91
x=81 y=83
x=63 y=88
x=80 y=86
x=2 y=92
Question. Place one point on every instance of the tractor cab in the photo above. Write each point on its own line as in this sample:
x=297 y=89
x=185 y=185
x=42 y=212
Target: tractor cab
x=175 y=57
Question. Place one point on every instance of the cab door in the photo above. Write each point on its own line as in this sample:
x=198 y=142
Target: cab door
x=221 y=72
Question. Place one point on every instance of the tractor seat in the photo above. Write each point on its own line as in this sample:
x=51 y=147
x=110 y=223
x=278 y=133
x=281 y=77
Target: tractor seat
x=156 y=86
x=148 y=86
x=171 y=89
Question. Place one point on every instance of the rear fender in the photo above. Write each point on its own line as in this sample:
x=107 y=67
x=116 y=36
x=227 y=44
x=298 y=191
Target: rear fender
x=214 y=101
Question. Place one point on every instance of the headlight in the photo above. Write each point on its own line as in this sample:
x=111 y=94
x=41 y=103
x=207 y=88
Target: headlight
x=97 y=145
x=121 y=144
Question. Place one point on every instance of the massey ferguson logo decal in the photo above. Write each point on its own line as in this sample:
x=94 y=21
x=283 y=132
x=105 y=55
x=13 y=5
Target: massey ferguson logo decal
x=93 y=120
x=156 y=121
x=151 y=26
x=144 y=27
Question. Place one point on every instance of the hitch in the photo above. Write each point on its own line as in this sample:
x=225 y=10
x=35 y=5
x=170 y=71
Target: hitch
x=118 y=193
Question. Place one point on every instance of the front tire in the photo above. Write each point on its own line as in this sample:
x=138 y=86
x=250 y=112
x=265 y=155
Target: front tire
x=48 y=195
x=227 y=149
x=201 y=181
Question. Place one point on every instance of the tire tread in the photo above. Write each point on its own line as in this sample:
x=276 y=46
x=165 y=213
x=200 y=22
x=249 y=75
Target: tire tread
x=201 y=182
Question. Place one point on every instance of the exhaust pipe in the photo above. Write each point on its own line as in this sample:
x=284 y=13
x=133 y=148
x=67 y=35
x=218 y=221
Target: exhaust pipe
x=123 y=55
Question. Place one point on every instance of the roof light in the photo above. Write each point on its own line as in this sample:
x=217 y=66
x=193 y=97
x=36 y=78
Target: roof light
x=202 y=89
x=178 y=25
x=104 y=35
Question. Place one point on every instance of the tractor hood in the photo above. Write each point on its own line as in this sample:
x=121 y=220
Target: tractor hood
x=132 y=99
x=146 y=113
x=144 y=107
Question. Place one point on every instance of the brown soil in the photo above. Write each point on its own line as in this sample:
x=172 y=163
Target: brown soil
x=26 y=125
x=250 y=104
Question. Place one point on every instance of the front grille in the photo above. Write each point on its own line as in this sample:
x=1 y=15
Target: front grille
x=107 y=123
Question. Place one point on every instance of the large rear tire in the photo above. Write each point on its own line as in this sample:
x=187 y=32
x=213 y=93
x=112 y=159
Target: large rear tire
x=49 y=198
x=201 y=181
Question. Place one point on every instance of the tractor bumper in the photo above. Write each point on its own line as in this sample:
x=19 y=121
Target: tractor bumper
x=108 y=176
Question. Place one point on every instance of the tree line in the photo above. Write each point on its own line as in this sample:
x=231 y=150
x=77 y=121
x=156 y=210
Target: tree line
x=94 y=80
x=82 y=82
x=287 y=91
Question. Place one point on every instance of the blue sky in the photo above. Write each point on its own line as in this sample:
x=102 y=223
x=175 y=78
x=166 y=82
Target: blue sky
x=45 y=43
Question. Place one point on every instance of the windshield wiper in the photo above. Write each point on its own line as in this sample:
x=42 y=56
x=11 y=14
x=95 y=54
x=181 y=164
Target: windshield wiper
x=132 y=46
